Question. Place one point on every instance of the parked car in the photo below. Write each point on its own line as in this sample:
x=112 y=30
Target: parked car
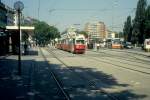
x=127 y=45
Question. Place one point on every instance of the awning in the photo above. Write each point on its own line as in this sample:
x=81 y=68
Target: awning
x=22 y=27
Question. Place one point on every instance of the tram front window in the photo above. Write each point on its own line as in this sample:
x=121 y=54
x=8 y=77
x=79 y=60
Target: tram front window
x=79 y=41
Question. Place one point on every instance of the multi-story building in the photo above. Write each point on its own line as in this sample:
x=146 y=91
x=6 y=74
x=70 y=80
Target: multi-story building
x=6 y=16
x=110 y=34
x=3 y=18
x=10 y=16
x=6 y=19
x=3 y=35
x=96 y=31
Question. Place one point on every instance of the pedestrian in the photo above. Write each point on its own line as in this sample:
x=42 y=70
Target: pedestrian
x=98 y=46
x=25 y=48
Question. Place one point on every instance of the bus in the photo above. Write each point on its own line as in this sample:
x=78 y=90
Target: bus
x=114 y=43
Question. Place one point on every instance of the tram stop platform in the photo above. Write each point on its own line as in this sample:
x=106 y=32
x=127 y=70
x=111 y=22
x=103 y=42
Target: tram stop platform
x=34 y=83
x=13 y=86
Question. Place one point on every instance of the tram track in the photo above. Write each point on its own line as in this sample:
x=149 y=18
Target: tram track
x=90 y=83
x=127 y=63
x=143 y=72
x=116 y=65
x=137 y=60
x=120 y=66
x=124 y=58
x=58 y=82
x=130 y=52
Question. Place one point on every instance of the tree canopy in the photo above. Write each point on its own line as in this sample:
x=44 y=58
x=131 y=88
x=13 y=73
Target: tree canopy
x=84 y=33
x=44 y=32
x=139 y=29
x=127 y=31
x=147 y=23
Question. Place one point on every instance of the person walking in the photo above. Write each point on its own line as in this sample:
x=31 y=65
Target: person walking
x=25 y=48
x=98 y=46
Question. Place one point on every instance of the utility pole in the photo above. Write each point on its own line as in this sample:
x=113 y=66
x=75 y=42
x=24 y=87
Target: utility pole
x=38 y=9
x=115 y=3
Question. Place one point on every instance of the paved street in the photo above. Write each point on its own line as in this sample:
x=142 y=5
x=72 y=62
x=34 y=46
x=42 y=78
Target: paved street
x=121 y=74
x=95 y=75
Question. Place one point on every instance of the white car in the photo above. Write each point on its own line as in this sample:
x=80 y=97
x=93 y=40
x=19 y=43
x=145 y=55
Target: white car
x=147 y=45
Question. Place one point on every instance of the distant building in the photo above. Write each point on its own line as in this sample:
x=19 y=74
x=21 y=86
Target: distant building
x=28 y=21
x=6 y=16
x=3 y=36
x=3 y=18
x=97 y=31
x=111 y=34
x=10 y=16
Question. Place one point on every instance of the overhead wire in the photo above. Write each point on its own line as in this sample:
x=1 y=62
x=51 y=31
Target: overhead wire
x=108 y=9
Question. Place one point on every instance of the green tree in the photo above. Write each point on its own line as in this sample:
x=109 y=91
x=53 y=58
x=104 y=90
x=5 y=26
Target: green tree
x=127 y=31
x=84 y=33
x=124 y=31
x=25 y=36
x=147 y=23
x=121 y=35
x=134 y=37
x=139 y=22
x=44 y=33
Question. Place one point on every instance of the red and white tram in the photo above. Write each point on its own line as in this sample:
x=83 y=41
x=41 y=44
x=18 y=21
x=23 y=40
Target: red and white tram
x=72 y=42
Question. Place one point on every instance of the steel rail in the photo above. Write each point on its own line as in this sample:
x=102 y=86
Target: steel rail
x=59 y=84
x=120 y=65
x=143 y=72
x=122 y=57
x=123 y=66
x=139 y=66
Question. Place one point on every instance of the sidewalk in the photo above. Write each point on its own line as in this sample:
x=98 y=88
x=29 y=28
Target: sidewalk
x=12 y=86
x=35 y=82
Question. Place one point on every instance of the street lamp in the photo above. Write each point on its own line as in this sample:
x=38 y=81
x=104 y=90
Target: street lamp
x=19 y=7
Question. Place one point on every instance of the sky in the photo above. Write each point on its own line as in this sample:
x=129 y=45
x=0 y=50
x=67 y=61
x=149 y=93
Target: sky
x=65 y=13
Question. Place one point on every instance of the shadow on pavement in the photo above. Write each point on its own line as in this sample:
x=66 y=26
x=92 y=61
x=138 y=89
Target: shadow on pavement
x=31 y=53
x=36 y=82
x=91 y=83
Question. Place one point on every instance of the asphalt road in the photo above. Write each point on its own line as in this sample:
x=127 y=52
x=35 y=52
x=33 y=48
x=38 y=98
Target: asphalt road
x=103 y=74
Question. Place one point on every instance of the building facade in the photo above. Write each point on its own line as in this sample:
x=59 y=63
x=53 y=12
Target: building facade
x=112 y=35
x=10 y=16
x=96 y=31
x=6 y=18
x=3 y=18
x=3 y=35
